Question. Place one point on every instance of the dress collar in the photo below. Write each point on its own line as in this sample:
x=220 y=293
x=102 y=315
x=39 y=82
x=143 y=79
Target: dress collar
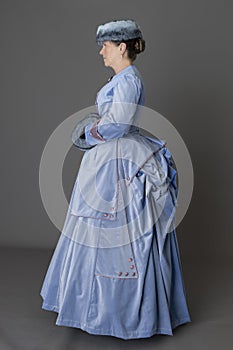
x=129 y=68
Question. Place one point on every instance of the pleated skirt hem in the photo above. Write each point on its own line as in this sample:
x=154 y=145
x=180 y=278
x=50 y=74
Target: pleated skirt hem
x=108 y=332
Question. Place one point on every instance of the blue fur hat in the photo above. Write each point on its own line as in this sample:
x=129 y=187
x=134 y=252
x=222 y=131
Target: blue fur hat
x=118 y=31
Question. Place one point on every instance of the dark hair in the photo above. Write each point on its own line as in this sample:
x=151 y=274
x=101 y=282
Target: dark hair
x=133 y=47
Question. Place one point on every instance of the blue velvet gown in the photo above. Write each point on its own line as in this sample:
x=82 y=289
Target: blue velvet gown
x=116 y=269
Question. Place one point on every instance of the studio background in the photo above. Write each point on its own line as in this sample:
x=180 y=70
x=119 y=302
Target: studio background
x=51 y=68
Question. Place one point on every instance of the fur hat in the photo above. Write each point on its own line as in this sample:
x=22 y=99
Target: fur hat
x=118 y=31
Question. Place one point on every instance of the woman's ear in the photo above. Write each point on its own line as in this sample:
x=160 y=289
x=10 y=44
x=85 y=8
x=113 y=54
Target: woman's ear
x=122 y=48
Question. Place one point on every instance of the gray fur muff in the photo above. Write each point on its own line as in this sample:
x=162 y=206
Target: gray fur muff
x=78 y=133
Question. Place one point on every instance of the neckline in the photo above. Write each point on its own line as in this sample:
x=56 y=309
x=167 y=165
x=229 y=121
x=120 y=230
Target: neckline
x=131 y=66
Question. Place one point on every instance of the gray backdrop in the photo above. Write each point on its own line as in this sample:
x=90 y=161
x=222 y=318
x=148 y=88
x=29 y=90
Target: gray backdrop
x=50 y=69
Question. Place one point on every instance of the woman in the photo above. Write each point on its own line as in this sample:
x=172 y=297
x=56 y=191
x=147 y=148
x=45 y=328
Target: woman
x=116 y=268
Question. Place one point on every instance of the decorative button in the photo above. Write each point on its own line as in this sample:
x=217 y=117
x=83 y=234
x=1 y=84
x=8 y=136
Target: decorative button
x=128 y=178
x=110 y=215
x=139 y=173
x=119 y=273
x=112 y=208
x=133 y=273
x=105 y=215
x=126 y=273
x=132 y=267
x=130 y=259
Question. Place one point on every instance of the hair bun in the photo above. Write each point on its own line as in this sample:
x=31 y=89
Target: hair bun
x=139 y=45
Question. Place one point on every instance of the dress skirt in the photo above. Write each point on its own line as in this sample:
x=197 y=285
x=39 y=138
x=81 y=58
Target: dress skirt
x=116 y=269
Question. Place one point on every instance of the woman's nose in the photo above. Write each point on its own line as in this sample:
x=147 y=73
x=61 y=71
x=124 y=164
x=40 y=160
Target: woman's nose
x=101 y=51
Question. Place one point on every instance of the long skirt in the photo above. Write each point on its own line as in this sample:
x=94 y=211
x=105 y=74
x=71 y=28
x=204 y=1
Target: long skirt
x=116 y=269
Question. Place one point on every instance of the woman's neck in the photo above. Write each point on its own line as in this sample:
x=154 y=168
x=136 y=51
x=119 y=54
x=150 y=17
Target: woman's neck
x=121 y=66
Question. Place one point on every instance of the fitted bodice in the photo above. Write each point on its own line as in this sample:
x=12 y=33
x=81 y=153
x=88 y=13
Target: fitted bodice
x=118 y=104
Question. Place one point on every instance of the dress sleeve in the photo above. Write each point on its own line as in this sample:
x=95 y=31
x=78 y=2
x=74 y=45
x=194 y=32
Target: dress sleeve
x=118 y=115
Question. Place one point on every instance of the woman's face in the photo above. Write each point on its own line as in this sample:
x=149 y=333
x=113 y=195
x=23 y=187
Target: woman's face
x=111 y=53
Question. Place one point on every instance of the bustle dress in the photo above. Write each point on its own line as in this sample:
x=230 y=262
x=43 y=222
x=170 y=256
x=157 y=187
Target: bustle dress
x=116 y=269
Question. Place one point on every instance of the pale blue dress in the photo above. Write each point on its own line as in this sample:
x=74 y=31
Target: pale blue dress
x=116 y=269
